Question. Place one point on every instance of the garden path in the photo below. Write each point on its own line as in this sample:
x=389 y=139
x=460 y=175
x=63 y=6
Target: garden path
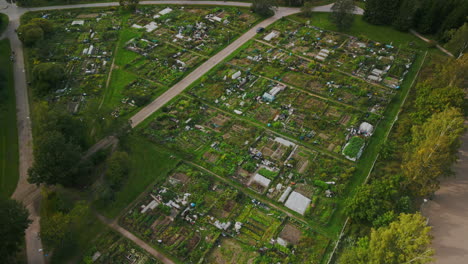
x=113 y=224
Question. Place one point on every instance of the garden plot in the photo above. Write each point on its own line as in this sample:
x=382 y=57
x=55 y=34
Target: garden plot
x=110 y=247
x=203 y=134
x=84 y=45
x=301 y=73
x=160 y=62
x=265 y=237
x=369 y=60
x=191 y=215
x=204 y=30
x=185 y=215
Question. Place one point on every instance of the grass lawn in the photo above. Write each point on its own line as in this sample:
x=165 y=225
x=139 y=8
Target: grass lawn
x=149 y=163
x=361 y=28
x=119 y=79
x=8 y=132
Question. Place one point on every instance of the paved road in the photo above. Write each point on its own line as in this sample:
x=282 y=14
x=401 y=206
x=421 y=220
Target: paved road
x=448 y=214
x=29 y=194
x=136 y=240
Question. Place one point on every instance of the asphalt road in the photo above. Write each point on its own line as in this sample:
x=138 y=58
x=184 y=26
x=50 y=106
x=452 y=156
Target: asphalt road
x=29 y=194
x=448 y=213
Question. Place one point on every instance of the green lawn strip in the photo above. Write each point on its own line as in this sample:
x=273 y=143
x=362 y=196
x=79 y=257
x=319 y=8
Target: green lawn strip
x=148 y=163
x=8 y=133
x=361 y=28
x=3 y=22
x=119 y=79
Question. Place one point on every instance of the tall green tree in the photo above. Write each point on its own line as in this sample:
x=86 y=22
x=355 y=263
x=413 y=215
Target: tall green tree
x=342 y=14
x=404 y=19
x=458 y=42
x=13 y=222
x=406 y=240
x=117 y=169
x=47 y=77
x=431 y=151
x=373 y=200
x=56 y=161
x=264 y=7
x=381 y=12
x=432 y=100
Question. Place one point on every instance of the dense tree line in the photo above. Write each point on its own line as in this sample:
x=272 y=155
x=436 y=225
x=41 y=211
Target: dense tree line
x=436 y=17
x=419 y=152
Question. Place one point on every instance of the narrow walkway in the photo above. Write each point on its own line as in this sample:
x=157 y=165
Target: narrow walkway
x=428 y=41
x=112 y=224
x=448 y=214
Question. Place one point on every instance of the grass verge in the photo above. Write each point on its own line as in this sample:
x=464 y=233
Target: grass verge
x=8 y=133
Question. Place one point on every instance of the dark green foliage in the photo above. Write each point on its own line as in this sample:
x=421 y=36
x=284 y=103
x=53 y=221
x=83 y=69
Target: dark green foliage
x=29 y=34
x=436 y=17
x=373 y=200
x=381 y=12
x=431 y=100
x=342 y=15
x=118 y=167
x=35 y=30
x=458 y=40
x=47 y=77
x=264 y=8
x=55 y=160
x=13 y=222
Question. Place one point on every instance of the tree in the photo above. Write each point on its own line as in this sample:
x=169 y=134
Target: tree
x=29 y=34
x=404 y=20
x=129 y=4
x=458 y=42
x=117 y=169
x=47 y=76
x=13 y=222
x=381 y=12
x=54 y=229
x=342 y=15
x=431 y=151
x=431 y=100
x=44 y=24
x=373 y=200
x=56 y=161
x=264 y=7
x=406 y=240
x=307 y=8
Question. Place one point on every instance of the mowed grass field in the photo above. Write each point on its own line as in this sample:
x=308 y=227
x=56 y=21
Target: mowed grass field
x=149 y=163
x=8 y=129
x=361 y=28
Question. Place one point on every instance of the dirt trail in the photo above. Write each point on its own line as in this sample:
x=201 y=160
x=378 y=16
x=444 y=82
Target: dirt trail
x=448 y=213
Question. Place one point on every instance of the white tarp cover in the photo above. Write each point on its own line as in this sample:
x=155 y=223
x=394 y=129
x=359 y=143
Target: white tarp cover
x=297 y=202
x=261 y=180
